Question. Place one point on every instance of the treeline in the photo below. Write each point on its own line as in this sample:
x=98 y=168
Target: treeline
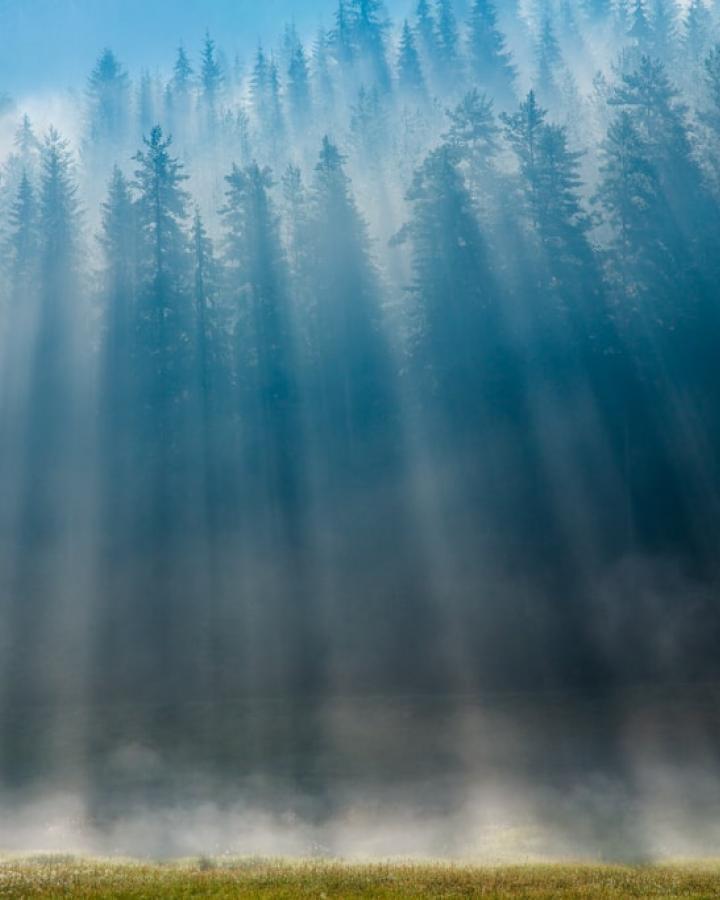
x=402 y=341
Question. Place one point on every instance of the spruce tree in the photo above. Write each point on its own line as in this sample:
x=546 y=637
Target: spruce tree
x=298 y=86
x=409 y=68
x=490 y=62
x=108 y=99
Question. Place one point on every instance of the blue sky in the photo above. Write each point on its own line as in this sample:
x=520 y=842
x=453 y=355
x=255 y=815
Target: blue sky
x=53 y=43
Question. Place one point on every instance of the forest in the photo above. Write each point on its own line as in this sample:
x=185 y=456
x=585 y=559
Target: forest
x=385 y=359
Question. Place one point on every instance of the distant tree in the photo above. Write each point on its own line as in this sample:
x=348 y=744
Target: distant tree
x=210 y=73
x=350 y=389
x=147 y=103
x=342 y=36
x=48 y=438
x=183 y=73
x=321 y=73
x=295 y=220
x=490 y=62
x=426 y=30
x=22 y=244
x=524 y=130
x=474 y=134
x=454 y=292
x=265 y=350
x=118 y=240
x=298 y=85
x=368 y=123
x=108 y=99
x=369 y=22
x=448 y=39
x=711 y=113
x=549 y=61
x=640 y=30
x=696 y=32
x=631 y=196
x=163 y=332
x=26 y=143
x=664 y=30
x=410 y=75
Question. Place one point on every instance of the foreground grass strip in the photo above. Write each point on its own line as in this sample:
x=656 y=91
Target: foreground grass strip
x=63 y=877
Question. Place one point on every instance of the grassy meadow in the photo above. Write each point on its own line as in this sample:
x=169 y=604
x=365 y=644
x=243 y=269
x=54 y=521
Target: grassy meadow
x=54 y=876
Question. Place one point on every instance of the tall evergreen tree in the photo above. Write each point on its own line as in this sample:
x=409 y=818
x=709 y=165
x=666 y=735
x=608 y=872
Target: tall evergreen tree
x=549 y=60
x=370 y=26
x=410 y=75
x=490 y=62
x=108 y=99
x=426 y=30
x=298 y=85
x=350 y=386
x=163 y=331
x=696 y=32
x=448 y=39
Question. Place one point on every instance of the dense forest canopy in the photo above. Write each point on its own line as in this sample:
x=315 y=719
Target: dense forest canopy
x=384 y=360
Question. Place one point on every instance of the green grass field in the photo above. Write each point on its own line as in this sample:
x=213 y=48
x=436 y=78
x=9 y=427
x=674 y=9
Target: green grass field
x=68 y=877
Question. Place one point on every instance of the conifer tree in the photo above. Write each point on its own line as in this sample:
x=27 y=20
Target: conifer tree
x=370 y=26
x=163 y=332
x=298 y=85
x=490 y=63
x=108 y=99
x=350 y=384
x=410 y=75
x=448 y=40
x=426 y=29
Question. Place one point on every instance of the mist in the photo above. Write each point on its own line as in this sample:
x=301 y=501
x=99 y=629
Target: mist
x=359 y=485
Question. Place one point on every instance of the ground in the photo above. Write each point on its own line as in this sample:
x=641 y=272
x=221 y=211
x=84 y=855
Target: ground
x=68 y=877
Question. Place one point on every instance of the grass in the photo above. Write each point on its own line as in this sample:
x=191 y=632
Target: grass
x=68 y=877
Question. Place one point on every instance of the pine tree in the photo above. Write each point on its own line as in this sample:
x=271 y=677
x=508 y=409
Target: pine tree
x=410 y=76
x=342 y=37
x=26 y=143
x=265 y=346
x=661 y=121
x=350 y=387
x=696 y=31
x=711 y=65
x=664 y=30
x=295 y=221
x=321 y=75
x=210 y=73
x=49 y=437
x=370 y=25
x=474 y=135
x=640 y=30
x=549 y=61
x=183 y=73
x=524 y=130
x=118 y=239
x=490 y=63
x=211 y=82
x=631 y=196
x=21 y=250
x=454 y=292
x=298 y=85
x=426 y=30
x=368 y=126
x=163 y=330
x=448 y=39
x=562 y=223
x=260 y=82
x=147 y=103
x=108 y=99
